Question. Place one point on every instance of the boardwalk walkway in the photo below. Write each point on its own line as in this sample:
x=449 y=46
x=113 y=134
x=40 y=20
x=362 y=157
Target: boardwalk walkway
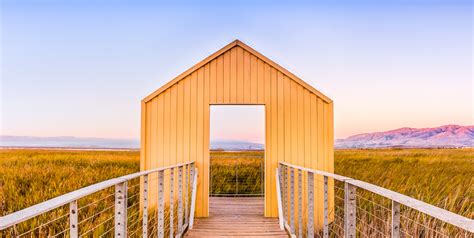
x=236 y=217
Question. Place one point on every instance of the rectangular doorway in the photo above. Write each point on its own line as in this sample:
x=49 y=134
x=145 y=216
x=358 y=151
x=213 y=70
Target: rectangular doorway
x=237 y=160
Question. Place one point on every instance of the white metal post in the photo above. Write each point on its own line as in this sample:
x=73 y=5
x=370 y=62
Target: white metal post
x=161 y=205
x=395 y=219
x=349 y=210
x=172 y=201
x=145 y=206
x=326 y=206
x=186 y=196
x=292 y=201
x=279 y=195
x=193 y=197
x=180 y=201
x=310 y=224
x=121 y=210
x=300 y=203
x=73 y=220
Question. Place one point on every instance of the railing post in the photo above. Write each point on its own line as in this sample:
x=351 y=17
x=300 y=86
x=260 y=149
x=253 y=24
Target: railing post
x=300 y=203
x=73 y=226
x=121 y=210
x=349 y=210
x=186 y=200
x=236 y=177
x=172 y=202
x=310 y=224
x=292 y=201
x=145 y=206
x=395 y=219
x=193 y=197
x=180 y=200
x=285 y=193
x=161 y=205
x=279 y=196
x=326 y=207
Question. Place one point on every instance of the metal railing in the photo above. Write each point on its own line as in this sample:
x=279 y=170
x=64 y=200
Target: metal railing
x=119 y=207
x=351 y=208
x=236 y=176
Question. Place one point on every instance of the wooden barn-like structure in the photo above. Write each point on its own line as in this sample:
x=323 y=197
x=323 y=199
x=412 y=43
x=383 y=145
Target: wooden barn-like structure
x=298 y=119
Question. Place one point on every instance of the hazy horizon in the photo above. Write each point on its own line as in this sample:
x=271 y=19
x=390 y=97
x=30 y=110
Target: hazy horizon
x=80 y=68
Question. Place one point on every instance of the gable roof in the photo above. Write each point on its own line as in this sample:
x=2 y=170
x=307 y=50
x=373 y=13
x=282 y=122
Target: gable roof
x=225 y=49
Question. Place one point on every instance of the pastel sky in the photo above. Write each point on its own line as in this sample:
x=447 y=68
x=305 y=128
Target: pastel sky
x=81 y=67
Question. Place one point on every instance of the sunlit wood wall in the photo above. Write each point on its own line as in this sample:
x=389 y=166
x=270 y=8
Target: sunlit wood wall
x=299 y=119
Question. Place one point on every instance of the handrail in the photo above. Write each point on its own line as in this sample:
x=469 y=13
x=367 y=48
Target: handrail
x=433 y=211
x=38 y=209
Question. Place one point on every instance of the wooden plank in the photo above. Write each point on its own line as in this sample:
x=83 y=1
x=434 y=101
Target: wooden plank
x=233 y=75
x=226 y=77
x=240 y=75
x=274 y=142
x=261 y=82
x=246 y=78
x=220 y=80
x=166 y=128
x=212 y=81
x=205 y=145
x=236 y=217
x=200 y=199
x=253 y=79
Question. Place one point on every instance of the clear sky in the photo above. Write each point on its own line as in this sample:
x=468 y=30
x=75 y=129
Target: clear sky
x=81 y=67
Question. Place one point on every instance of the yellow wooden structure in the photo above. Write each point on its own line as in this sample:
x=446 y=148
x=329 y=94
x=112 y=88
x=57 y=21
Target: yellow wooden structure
x=298 y=118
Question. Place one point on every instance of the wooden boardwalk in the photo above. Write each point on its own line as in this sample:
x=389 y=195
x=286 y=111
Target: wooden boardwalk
x=236 y=217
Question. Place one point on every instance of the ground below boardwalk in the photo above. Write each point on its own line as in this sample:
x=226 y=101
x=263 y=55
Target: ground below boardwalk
x=236 y=217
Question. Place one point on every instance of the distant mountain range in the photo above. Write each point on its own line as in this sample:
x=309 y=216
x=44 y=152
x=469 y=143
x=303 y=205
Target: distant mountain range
x=68 y=142
x=443 y=136
x=235 y=145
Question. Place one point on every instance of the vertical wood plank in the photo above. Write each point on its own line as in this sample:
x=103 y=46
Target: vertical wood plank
x=226 y=77
x=220 y=79
x=274 y=140
x=205 y=146
x=253 y=79
x=233 y=75
x=240 y=75
x=200 y=200
x=212 y=81
x=261 y=81
x=246 y=79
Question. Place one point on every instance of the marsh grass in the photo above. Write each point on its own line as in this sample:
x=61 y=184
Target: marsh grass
x=442 y=177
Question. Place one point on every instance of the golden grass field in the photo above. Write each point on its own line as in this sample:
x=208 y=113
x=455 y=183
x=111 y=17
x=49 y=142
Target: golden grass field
x=442 y=177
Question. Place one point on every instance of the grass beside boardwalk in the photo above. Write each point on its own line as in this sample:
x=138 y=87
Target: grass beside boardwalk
x=28 y=177
x=443 y=177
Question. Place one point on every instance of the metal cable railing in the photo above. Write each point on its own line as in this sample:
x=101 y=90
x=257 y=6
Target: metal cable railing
x=118 y=207
x=353 y=208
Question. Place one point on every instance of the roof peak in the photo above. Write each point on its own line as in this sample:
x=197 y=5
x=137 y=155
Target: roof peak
x=226 y=48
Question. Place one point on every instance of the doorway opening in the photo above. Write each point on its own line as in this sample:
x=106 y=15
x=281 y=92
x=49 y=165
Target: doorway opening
x=237 y=159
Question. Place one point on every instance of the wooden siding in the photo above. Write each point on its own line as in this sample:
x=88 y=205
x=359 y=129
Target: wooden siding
x=298 y=118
